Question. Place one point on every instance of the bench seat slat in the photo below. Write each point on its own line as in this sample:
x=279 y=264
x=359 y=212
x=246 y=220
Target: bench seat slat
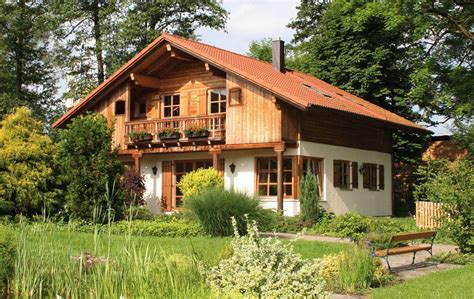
x=401 y=250
x=413 y=236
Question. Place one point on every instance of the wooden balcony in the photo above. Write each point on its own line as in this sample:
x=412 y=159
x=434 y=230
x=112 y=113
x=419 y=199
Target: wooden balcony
x=215 y=125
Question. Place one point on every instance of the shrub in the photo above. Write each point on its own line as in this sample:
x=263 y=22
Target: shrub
x=353 y=271
x=454 y=258
x=90 y=167
x=133 y=187
x=283 y=224
x=452 y=184
x=198 y=180
x=27 y=166
x=214 y=208
x=7 y=257
x=309 y=198
x=139 y=213
x=265 y=268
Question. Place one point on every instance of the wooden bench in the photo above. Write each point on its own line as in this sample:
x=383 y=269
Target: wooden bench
x=385 y=253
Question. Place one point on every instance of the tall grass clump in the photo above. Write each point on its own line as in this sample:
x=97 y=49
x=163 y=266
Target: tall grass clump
x=7 y=257
x=214 y=208
x=353 y=271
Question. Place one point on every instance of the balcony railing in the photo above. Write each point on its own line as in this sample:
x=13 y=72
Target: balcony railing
x=215 y=124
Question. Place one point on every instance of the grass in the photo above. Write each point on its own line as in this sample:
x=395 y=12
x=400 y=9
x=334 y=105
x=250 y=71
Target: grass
x=73 y=264
x=455 y=283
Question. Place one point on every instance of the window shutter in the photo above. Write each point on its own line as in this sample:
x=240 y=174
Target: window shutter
x=337 y=173
x=355 y=175
x=366 y=176
x=381 y=177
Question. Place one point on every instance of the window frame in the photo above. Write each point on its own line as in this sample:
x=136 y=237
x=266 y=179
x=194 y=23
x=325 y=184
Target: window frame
x=171 y=106
x=268 y=183
x=376 y=176
x=320 y=174
x=349 y=175
x=220 y=101
x=234 y=102
x=121 y=102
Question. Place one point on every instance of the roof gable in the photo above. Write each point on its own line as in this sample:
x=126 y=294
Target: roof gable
x=298 y=89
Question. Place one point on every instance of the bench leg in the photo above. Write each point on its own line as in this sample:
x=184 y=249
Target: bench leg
x=413 y=260
x=388 y=264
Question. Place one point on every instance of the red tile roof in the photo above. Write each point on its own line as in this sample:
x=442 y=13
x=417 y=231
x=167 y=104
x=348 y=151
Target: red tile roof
x=299 y=89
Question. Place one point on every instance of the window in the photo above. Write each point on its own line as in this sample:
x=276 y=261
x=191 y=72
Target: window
x=171 y=106
x=142 y=108
x=267 y=176
x=316 y=166
x=217 y=100
x=183 y=168
x=119 y=107
x=235 y=96
x=369 y=171
x=345 y=174
x=381 y=177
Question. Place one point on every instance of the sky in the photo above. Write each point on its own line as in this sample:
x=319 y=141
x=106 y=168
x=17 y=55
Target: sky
x=254 y=20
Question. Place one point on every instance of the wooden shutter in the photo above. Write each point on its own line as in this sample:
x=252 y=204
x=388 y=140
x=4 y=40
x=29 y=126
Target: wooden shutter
x=381 y=177
x=167 y=184
x=355 y=175
x=337 y=173
x=366 y=176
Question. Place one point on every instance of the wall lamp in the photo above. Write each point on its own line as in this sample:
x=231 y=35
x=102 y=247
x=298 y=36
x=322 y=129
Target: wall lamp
x=154 y=169
x=232 y=168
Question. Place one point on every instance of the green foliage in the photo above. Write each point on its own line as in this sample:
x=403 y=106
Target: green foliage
x=214 y=208
x=309 y=198
x=353 y=271
x=26 y=72
x=454 y=258
x=261 y=49
x=117 y=30
x=135 y=212
x=265 y=268
x=27 y=166
x=133 y=187
x=137 y=136
x=198 y=180
x=7 y=257
x=284 y=224
x=452 y=184
x=377 y=230
x=91 y=171
x=464 y=136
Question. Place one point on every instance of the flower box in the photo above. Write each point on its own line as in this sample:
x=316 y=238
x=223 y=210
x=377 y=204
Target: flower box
x=137 y=137
x=169 y=136
x=198 y=134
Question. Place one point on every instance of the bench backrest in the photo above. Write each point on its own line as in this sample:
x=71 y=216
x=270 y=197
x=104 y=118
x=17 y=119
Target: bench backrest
x=413 y=236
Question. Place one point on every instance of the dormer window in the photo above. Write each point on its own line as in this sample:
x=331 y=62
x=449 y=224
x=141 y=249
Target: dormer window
x=217 y=100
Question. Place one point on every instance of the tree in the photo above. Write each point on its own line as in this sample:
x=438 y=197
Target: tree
x=96 y=37
x=452 y=184
x=26 y=73
x=27 y=166
x=309 y=198
x=133 y=187
x=90 y=169
x=261 y=49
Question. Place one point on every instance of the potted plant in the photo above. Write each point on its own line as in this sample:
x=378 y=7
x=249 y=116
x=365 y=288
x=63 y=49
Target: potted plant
x=140 y=136
x=197 y=132
x=168 y=133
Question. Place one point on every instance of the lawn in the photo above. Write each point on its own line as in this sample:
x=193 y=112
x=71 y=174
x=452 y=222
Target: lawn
x=50 y=264
x=457 y=283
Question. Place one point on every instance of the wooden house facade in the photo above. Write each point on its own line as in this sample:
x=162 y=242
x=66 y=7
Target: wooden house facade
x=180 y=105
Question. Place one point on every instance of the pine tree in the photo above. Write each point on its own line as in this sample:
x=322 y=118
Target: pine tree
x=26 y=73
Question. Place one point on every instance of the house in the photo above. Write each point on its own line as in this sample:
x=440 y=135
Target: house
x=179 y=105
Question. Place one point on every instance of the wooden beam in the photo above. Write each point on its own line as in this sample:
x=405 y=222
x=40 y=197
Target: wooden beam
x=168 y=47
x=207 y=67
x=145 y=81
x=215 y=152
x=158 y=64
x=275 y=101
x=279 y=180
x=179 y=56
x=137 y=156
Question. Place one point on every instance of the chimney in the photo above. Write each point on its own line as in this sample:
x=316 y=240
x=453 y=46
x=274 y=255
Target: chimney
x=278 y=55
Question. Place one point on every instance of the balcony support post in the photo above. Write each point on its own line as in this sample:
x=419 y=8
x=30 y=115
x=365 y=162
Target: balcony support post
x=279 y=151
x=137 y=156
x=215 y=152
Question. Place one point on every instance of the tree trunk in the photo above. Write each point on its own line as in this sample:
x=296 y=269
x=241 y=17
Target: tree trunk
x=98 y=43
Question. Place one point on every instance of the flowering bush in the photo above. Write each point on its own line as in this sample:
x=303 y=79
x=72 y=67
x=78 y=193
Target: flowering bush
x=265 y=268
x=198 y=180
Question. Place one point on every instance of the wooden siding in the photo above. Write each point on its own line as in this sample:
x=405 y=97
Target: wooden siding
x=257 y=120
x=106 y=107
x=325 y=126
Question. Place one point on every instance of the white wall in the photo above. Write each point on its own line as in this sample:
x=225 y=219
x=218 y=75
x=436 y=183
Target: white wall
x=364 y=201
x=336 y=200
